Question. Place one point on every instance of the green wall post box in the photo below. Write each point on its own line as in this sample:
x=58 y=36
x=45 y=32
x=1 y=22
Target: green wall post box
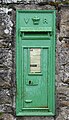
x=35 y=62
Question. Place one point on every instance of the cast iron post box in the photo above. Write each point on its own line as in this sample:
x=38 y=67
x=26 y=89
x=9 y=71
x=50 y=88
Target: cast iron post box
x=35 y=62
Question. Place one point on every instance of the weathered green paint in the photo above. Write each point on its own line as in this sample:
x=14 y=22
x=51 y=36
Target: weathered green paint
x=35 y=90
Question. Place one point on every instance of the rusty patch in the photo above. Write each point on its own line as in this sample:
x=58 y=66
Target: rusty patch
x=41 y=107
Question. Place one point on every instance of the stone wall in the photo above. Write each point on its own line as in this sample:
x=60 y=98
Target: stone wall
x=62 y=62
x=7 y=59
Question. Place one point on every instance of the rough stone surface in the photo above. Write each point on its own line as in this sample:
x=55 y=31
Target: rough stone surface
x=34 y=118
x=62 y=62
x=7 y=60
x=15 y=1
x=6 y=117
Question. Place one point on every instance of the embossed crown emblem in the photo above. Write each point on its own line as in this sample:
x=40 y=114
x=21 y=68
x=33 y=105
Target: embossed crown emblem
x=36 y=20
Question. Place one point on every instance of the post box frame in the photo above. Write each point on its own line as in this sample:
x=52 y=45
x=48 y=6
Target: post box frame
x=19 y=70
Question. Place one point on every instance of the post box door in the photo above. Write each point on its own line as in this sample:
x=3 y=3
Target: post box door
x=35 y=77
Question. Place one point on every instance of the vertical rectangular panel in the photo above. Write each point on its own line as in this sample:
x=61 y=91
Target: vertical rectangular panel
x=35 y=55
x=35 y=86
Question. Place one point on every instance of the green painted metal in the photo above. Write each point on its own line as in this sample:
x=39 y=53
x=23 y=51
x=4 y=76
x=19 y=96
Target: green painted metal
x=35 y=62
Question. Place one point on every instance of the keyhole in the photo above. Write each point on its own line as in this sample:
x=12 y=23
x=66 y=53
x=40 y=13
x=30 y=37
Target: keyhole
x=29 y=82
